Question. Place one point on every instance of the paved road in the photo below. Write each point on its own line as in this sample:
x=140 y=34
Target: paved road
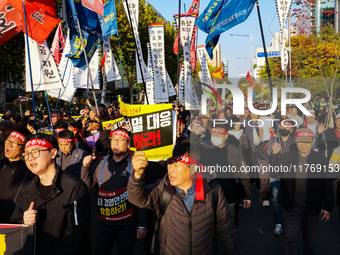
x=255 y=233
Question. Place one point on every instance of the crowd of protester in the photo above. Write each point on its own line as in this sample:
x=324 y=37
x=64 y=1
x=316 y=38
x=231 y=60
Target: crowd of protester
x=45 y=178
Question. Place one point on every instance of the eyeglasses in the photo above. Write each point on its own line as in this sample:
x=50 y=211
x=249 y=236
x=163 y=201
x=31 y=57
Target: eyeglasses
x=14 y=144
x=34 y=153
x=119 y=140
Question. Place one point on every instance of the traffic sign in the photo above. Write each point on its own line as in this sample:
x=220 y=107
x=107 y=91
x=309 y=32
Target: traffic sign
x=270 y=54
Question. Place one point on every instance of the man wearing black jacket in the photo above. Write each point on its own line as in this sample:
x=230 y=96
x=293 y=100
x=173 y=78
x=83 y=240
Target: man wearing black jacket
x=14 y=174
x=58 y=203
x=304 y=193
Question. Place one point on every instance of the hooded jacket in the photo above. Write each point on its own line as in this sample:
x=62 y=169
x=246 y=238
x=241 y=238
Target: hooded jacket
x=186 y=233
x=64 y=217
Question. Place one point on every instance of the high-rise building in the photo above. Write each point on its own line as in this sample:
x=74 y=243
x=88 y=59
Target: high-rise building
x=322 y=13
x=225 y=67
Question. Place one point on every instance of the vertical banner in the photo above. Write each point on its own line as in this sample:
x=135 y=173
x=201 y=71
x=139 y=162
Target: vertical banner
x=152 y=129
x=187 y=26
x=150 y=89
x=44 y=70
x=66 y=71
x=283 y=8
x=82 y=77
x=133 y=9
x=170 y=85
x=181 y=87
x=202 y=58
x=16 y=239
x=111 y=68
x=156 y=35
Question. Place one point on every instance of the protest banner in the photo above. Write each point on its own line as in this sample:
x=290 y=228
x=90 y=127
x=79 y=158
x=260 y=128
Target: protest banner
x=151 y=127
x=117 y=123
x=16 y=239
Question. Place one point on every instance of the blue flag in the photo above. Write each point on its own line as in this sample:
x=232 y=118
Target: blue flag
x=91 y=31
x=220 y=16
x=109 y=22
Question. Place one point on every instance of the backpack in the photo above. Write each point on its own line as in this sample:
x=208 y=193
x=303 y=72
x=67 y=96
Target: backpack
x=166 y=197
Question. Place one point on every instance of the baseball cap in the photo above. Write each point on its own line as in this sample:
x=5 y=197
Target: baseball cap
x=304 y=135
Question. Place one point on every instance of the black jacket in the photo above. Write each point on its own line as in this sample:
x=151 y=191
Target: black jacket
x=320 y=194
x=328 y=137
x=76 y=162
x=13 y=176
x=64 y=217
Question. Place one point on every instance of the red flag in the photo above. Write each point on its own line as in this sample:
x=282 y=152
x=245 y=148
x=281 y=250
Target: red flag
x=10 y=21
x=58 y=45
x=103 y=61
x=194 y=8
x=94 y=5
x=251 y=81
x=41 y=18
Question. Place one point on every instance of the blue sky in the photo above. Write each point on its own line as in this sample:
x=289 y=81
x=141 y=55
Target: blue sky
x=233 y=47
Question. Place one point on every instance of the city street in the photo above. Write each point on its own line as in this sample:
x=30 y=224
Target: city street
x=255 y=233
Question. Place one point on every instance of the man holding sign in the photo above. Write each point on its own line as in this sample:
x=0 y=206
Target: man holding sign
x=119 y=220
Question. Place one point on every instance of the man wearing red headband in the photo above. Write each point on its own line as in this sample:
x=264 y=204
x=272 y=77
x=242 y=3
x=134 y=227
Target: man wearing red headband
x=304 y=192
x=57 y=202
x=118 y=219
x=190 y=215
x=70 y=158
x=14 y=174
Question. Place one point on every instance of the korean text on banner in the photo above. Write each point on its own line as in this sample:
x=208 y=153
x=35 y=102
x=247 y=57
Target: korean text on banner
x=117 y=123
x=91 y=32
x=44 y=70
x=133 y=8
x=11 y=21
x=150 y=85
x=220 y=16
x=109 y=21
x=152 y=129
x=156 y=35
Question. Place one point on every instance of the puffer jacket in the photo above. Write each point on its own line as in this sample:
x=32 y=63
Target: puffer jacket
x=186 y=233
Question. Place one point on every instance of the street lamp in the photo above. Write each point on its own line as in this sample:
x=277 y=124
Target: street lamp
x=251 y=49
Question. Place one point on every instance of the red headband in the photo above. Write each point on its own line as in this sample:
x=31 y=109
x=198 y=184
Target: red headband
x=73 y=129
x=219 y=131
x=55 y=115
x=57 y=130
x=65 y=140
x=196 y=122
x=304 y=134
x=121 y=133
x=185 y=160
x=286 y=124
x=39 y=142
x=18 y=136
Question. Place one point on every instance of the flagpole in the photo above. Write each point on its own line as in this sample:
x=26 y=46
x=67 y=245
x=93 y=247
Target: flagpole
x=29 y=65
x=139 y=63
x=88 y=67
x=20 y=108
x=49 y=112
x=266 y=56
x=120 y=57
x=178 y=57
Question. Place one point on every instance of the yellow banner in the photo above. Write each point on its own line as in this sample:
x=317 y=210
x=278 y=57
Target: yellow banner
x=112 y=122
x=152 y=129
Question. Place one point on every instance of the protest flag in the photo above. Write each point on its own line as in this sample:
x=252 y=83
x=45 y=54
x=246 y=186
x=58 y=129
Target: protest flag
x=220 y=16
x=41 y=18
x=58 y=45
x=109 y=21
x=94 y=5
x=11 y=23
x=219 y=74
x=251 y=81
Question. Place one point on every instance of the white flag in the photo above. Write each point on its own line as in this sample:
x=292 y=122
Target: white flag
x=140 y=64
x=111 y=69
x=150 y=89
x=66 y=71
x=82 y=79
x=44 y=70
